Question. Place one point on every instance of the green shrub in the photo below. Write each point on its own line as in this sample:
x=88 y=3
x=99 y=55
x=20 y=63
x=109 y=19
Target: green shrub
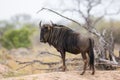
x=16 y=38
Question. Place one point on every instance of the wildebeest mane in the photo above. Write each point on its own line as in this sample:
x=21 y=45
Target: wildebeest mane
x=63 y=37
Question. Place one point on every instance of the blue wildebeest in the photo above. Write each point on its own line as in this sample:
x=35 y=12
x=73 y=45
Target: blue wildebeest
x=65 y=40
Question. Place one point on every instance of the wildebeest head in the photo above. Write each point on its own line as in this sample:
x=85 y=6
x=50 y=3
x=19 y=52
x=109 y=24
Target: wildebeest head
x=45 y=31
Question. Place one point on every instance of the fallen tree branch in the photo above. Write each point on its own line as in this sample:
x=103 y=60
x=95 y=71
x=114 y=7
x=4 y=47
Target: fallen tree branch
x=23 y=67
x=108 y=61
x=59 y=15
x=38 y=61
x=46 y=63
x=46 y=52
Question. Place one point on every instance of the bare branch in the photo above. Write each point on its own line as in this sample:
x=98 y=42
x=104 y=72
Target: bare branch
x=97 y=3
x=79 y=9
x=35 y=61
x=23 y=66
x=28 y=63
x=59 y=15
x=110 y=14
x=45 y=52
x=108 y=62
x=70 y=10
x=115 y=13
x=91 y=4
x=98 y=19
x=105 y=14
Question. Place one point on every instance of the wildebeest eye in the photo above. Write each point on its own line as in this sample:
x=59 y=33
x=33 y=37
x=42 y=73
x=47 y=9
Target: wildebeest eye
x=45 y=29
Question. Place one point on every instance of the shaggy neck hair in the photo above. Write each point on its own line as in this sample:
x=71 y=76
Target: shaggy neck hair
x=62 y=37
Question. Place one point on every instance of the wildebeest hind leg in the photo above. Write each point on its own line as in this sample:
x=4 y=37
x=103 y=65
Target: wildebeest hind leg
x=63 y=59
x=85 y=62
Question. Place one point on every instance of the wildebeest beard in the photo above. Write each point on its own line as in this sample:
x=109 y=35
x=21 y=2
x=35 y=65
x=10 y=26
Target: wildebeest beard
x=63 y=38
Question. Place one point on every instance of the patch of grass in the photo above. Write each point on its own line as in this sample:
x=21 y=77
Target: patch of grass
x=35 y=78
x=9 y=74
x=14 y=74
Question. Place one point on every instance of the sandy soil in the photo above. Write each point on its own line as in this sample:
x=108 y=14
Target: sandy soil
x=71 y=75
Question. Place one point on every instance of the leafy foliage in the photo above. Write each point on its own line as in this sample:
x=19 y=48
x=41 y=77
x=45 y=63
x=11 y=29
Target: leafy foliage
x=17 y=32
x=16 y=38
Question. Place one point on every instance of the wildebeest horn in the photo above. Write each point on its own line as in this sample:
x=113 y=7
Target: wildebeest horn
x=52 y=23
x=40 y=24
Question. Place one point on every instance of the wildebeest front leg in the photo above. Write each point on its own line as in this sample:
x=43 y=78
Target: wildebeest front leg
x=85 y=62
x=63 y=59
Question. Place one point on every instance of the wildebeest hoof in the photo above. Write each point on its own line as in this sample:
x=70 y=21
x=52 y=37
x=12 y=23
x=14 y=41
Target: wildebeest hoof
x=62 y=68
x=93 y=73
x=82 y=73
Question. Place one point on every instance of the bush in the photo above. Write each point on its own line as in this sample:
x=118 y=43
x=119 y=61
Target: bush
x=16 y=38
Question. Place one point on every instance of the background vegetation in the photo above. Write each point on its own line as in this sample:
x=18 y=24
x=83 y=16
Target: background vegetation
x=20 y=31
x=17 y=33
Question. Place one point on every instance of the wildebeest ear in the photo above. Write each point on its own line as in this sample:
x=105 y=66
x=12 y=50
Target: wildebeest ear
x=40 y=24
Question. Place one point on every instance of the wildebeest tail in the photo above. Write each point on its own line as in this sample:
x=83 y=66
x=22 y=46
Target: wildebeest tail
x=91 y=53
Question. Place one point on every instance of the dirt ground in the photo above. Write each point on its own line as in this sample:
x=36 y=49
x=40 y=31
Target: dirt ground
x=71 y=75
x=68 y=75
